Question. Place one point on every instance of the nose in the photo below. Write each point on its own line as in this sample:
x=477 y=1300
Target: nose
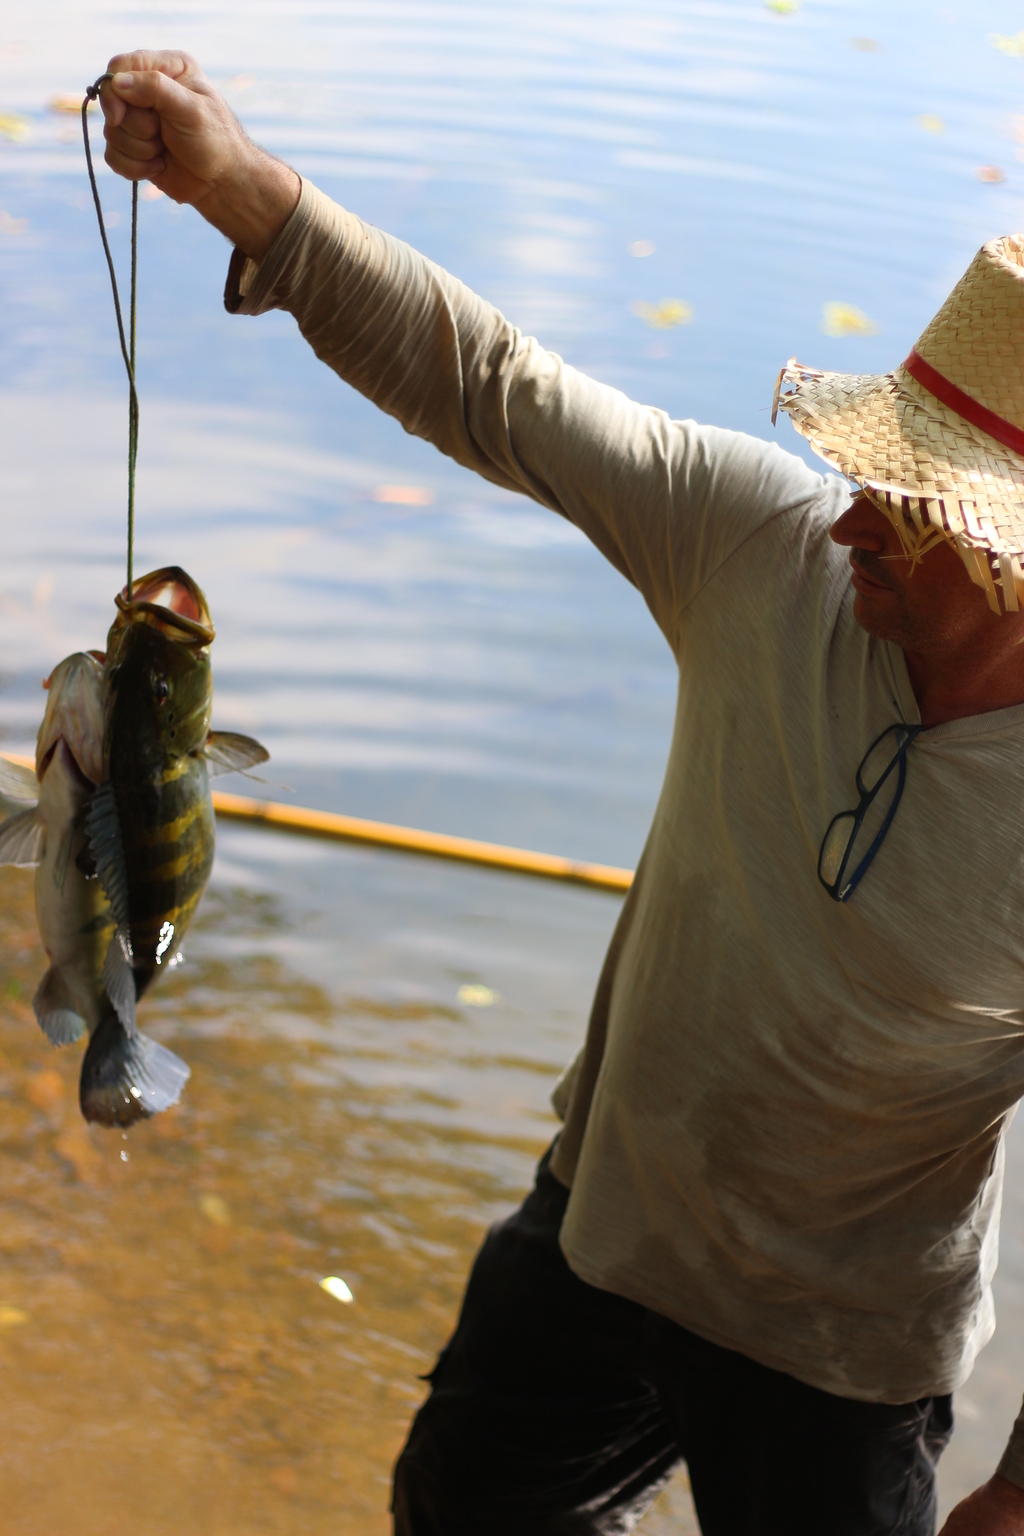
x=862 y=526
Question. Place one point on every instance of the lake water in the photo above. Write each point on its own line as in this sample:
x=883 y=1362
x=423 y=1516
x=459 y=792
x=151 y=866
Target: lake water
x=454 y=658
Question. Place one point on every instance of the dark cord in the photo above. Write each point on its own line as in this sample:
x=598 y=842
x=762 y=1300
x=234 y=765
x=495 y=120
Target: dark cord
x=127 y=350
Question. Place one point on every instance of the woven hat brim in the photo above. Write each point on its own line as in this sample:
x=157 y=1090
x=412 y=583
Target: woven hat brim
x=887 y=433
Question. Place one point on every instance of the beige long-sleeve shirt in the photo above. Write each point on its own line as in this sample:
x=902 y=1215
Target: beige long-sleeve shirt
x=784 y=1130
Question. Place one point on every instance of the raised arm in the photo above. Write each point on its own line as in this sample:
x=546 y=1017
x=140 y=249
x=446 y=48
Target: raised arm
x=666 y=502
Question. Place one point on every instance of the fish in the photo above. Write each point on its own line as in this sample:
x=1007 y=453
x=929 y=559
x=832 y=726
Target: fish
x=150 y=821
x=120 y=830
x=123 y=1078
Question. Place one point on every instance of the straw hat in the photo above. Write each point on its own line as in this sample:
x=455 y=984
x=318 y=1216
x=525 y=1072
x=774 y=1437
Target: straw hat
x=938 y=444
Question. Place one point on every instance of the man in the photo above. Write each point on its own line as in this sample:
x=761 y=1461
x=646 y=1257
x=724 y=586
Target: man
x=764 y=1240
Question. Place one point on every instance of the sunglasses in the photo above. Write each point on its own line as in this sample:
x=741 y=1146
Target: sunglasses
x=880 y=779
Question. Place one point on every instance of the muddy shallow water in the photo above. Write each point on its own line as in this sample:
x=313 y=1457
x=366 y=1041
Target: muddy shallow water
x=412 y=645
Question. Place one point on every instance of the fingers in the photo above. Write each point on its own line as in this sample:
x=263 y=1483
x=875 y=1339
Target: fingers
x=132 y=169
x=138 y=122
x=132 y=147
x=177 y=65
x=152 y=91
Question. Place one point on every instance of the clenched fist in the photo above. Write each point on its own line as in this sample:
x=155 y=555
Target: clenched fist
x=167 y=124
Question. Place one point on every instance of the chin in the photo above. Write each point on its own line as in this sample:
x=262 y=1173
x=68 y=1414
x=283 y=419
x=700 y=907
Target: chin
x=879 y=624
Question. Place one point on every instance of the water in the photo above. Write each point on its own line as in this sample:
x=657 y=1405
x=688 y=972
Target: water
x=460 y=660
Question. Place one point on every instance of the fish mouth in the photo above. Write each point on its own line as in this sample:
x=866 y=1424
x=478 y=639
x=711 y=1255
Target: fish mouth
x=172 y=602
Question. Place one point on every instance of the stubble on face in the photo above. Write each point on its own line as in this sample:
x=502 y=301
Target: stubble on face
x=921 y=605
x=893 y=614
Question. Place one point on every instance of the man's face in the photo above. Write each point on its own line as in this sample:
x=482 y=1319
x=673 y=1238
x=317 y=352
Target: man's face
x=937 y=608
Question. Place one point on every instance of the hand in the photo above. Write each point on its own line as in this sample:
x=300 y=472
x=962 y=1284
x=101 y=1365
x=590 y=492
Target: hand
x=994 y=1509
x=167 y=124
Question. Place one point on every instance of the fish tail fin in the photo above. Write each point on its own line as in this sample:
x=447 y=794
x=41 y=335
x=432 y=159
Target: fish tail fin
x=55 y=1010
x=128 y=1077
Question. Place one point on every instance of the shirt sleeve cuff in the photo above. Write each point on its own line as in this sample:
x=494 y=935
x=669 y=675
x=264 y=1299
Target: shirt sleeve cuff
x=1012 y=1464
x=251 y=285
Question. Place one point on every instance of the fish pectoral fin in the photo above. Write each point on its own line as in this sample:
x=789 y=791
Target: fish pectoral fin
x=17 y=781
x=57 y=1015
x=21 y=839
x=119 y=978
x=103 y=829
x=128 y=1077
x=227 y=752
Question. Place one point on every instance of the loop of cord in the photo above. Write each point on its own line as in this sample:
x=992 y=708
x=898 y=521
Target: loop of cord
x=127 y=345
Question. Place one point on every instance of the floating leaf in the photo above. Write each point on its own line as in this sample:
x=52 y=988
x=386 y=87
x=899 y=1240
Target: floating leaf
x=1011 y=45
x=475 y=996
x=68 y=104
x=14 y=127
x=215 y=1210
x=11 y=1317
x=336 y=1287
x=640 y=248
x=846 y=320
x=930 y=123
x=663 y=316
x=865 y=45
x=783 y=7
x=990 y=173
x=404 y=495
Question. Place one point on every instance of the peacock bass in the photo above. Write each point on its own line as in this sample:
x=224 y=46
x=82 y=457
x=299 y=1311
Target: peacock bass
x=122 y=834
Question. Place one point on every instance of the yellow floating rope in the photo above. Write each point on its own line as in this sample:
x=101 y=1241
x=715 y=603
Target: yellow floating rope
x=434 y=845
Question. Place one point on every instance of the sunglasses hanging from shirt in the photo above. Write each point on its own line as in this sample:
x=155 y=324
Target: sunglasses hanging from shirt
x=886 y=756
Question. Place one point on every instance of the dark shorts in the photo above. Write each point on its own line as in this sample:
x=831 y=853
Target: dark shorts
x=560 y=1410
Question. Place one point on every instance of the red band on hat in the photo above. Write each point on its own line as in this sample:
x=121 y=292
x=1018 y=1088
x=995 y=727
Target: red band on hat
x=971 y=410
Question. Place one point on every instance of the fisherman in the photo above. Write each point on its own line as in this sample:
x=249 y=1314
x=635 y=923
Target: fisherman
x=763 y=1242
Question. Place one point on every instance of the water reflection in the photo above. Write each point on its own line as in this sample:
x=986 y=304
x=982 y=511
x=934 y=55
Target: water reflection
x=165 y=1335
x=453 y=658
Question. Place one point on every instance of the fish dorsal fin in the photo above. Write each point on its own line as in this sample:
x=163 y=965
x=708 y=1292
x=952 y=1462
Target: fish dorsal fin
x=17 y=781
x=119 y=978
x=58 y=1017
x=103 y=829
x=227 y=752
x=21 y=840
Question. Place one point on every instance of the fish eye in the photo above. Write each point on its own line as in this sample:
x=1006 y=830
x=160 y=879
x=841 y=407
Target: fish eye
x=161 y=689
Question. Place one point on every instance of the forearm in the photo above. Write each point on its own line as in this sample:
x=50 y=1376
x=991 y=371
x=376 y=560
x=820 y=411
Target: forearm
x=253 y=201
x=415 y=341
x=664 y=501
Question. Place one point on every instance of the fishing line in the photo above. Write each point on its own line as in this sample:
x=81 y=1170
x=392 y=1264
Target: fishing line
x=127 y=346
